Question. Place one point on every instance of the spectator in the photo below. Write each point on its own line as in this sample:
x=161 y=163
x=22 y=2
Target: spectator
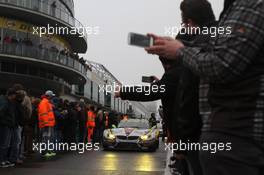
x=7 y=40
x=59 y=117
x=71 y=123
x=7 y=125
x=99 y=127
x=231 y=64
x=82 y=120
x=28 y=129
x=91 y=115
x=28 y=42
x=164 y=128
x=46 y=121
x=53 y=9
x=167 y=94
x=35 y=103
x=20 y=113
x=14 y=40
x=152 y=120
x=65 y=112
x=106 y=120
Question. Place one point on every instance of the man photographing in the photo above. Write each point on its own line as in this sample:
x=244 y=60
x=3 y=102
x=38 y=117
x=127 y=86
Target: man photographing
x=234 y=67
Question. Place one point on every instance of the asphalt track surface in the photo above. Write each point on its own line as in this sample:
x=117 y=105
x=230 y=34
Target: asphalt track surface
x=94 y=163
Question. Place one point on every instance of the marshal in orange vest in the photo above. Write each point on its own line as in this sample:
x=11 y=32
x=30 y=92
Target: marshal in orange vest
x=45 y=114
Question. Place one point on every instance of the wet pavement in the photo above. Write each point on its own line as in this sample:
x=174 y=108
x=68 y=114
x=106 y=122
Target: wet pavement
x=95 y=163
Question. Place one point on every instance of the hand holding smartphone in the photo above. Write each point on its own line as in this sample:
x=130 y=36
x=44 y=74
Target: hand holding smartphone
x=140 y=40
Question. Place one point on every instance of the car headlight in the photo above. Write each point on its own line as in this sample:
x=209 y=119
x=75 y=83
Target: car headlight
x=108 y=135
x=111 y=136
x=146 y=137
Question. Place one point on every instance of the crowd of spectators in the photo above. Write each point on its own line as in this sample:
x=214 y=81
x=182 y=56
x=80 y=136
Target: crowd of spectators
x=12 y=43
x=20 y=124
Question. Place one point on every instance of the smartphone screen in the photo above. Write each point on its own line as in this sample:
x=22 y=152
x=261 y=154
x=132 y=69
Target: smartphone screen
x=139 y=40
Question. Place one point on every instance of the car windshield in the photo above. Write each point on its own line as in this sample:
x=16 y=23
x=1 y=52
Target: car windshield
x=141 y=124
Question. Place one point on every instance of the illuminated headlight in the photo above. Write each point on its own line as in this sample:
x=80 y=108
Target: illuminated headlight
x=111 y=136
x=108 y=135
x=146 y=137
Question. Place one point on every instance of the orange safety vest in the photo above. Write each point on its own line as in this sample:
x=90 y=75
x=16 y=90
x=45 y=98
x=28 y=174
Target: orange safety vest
x=45 y=114
x=91 y=119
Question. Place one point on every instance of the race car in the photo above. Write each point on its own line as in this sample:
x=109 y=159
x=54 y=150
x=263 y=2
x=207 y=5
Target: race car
x=132 y=134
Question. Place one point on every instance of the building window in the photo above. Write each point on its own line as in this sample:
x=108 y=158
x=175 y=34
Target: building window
x=50 y=76
x=43 y=73
x=21 y=69
x=8 y=67
x=33 y=71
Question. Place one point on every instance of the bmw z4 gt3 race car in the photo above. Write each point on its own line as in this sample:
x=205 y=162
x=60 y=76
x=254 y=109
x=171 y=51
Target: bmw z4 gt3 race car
x=132 y=134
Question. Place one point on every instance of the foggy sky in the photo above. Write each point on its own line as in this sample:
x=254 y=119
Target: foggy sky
x=115 y=19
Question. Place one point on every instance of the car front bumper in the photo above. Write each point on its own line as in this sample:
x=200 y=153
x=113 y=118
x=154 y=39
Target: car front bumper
x=129 y=144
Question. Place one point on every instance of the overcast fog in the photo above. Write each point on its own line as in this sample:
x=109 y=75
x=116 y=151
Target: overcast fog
x=116 y=18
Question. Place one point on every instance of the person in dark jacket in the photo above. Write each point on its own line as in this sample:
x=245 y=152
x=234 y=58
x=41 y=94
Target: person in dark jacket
x=170 y=81
x=82 y=120
x=99 y=127
x=233 y=66
x=71 y=123
x=165 y=92
x=15 y=150
x=57 y=109
x=7 y=125
x=113 y=119
x=65 y=111
x=34 y=122
x=185 y=120
x=195 y=13
x=152 y=120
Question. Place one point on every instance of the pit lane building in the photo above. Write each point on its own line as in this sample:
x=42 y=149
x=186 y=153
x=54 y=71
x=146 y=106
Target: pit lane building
x=51 y=61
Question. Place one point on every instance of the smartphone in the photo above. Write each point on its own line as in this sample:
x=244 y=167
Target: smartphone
x=140 y=40
x=146 y=79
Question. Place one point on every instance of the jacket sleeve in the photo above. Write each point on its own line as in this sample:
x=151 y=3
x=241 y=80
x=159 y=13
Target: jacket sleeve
x=232 y=54
x=142 y=93
x=3 y=108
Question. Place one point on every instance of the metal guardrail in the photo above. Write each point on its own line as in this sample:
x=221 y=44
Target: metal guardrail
x=43 y=54
x=47 y=9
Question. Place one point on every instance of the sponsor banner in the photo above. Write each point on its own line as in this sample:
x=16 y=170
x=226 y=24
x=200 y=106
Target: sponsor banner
x=28 y=28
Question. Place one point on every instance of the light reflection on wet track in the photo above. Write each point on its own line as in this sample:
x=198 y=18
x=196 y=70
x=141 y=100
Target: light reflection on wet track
x=96 y=163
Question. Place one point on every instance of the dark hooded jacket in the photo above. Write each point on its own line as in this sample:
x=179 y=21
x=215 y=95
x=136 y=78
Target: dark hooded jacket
x=7 y=112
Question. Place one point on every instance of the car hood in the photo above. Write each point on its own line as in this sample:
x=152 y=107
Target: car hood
x=129 y=131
